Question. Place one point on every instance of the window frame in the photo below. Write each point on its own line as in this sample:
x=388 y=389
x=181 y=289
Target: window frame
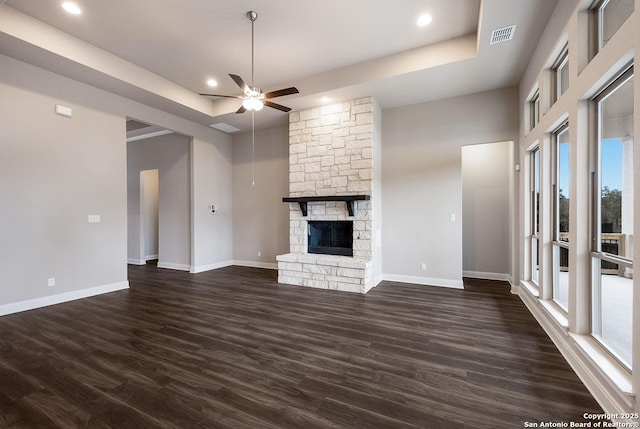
x=596 y=228
x=536 y=182
x=598 y=27
x=534 y=109
x=597 y=254
x=557 y=244
x=558 y=66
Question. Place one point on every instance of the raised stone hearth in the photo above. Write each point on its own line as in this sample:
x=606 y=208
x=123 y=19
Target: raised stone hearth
x=331 y=152
x=325 y=272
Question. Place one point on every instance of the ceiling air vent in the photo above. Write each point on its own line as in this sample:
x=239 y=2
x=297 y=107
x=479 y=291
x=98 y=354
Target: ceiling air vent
x=502 y=34
x=224 y=127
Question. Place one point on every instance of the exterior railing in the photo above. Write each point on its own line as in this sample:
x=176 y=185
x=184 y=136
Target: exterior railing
x=612 y=243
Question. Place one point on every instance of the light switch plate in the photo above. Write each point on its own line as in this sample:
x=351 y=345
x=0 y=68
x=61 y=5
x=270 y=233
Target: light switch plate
x=94 y=218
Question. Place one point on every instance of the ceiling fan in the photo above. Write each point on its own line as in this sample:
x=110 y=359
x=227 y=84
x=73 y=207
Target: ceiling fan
x=253 y=98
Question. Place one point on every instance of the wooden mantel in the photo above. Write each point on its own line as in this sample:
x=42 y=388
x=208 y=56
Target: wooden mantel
x=349 y=199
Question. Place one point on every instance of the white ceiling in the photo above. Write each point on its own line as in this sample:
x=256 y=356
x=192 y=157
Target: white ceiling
x=161 y=52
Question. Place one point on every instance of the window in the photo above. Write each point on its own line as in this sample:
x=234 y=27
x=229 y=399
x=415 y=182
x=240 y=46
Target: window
x=561 y=73
x=534 y=109
x=535 y=215
x=611 y=14
x=561 y=217
x=612 y=264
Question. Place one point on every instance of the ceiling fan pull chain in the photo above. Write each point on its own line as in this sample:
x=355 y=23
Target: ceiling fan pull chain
x=253 y=148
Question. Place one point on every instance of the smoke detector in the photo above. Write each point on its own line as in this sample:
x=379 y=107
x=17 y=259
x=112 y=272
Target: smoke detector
x=502 y=34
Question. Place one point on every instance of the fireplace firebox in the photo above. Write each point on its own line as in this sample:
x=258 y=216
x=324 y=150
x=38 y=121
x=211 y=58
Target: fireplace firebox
x=331 y=237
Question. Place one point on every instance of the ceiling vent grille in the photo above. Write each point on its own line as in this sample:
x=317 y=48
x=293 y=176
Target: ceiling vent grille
x=502 y=34
x=224 y=127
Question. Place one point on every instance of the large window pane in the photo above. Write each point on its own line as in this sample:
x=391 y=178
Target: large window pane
x=611 y=15
x=612 y=283
x=536 y=190
x=561 y=217
x=535 y=215
x=613 y=308
x=561 y=276
x=535 y=260
x=562 y=185
x=616 y=170
x=562 y=74
x=534 y=106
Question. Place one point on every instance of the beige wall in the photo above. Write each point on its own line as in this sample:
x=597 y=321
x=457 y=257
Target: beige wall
x=261 y=219
x=377 y=199
x=56 y=171
x=211 y=176
x=422 y=180
x=420 y=183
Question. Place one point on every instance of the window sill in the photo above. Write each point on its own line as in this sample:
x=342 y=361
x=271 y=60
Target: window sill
x=530 y=287
x=615 y=372
x=610 y=380
x=558 y=315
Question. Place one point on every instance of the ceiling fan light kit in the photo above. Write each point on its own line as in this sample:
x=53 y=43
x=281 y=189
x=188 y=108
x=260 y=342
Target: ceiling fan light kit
x=252 y=103
x=253 y=99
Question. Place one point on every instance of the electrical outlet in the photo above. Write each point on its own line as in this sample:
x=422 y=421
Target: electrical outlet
x=259 y=253
x=51 y=281
x=423 y=266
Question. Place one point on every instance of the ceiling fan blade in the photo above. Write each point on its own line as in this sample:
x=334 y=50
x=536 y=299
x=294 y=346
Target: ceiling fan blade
x=238 y=80
x=282 y=92
x=241 y=110
x=277 y=106
x=219 y=95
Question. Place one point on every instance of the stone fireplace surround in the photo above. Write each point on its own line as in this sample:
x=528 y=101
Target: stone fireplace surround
x=330 y=154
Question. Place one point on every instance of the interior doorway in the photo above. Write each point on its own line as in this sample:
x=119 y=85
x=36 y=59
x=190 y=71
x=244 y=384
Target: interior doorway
x=149 y=214
x=158 y=196
x=487 y=210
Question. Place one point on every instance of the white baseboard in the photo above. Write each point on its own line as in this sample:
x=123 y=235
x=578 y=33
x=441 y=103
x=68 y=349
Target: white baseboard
x=172 y=266
x=515 y=289
x=150 y=257
x=255 y=264
x=611 y=398
x=45 y=301
x=487 y=276
x=428 y=281
x=136 y=262
x=209 y=267
x=377 y=280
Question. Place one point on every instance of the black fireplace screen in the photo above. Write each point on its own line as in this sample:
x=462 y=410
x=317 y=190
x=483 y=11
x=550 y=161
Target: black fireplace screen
x=331 y=237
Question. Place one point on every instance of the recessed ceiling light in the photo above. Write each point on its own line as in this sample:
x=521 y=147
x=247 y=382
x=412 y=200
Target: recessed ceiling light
x=212 y=83
x=72 y=7
x=424 y=20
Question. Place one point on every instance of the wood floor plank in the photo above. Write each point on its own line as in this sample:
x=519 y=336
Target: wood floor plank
x=232 y=348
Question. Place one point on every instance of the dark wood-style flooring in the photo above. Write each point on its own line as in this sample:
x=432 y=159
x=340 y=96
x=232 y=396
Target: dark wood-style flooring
x=233 y=349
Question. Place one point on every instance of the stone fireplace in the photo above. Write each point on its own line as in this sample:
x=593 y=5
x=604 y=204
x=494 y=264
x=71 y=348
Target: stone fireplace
x=332 y=192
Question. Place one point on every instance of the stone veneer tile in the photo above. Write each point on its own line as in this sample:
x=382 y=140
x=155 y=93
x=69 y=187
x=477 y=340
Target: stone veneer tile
x=330 y=153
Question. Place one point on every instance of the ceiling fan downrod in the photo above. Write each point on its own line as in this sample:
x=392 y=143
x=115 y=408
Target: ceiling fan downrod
x=252 y=15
